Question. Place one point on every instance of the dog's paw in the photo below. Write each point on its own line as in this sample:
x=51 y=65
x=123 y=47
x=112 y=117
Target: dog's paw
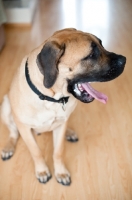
x=7 y=152
x=64 y=179
x=71 y=136
x=43 y=177
x=62 y=175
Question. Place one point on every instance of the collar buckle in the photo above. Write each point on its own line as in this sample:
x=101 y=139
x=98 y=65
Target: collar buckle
x=62 y=100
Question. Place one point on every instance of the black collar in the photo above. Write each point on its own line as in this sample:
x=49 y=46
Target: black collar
x=62 y=100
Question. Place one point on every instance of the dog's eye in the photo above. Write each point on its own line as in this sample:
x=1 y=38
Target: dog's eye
x=90 y=56
x=94 y=54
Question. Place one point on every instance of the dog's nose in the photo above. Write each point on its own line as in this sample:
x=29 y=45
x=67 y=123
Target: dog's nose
x=121 y=60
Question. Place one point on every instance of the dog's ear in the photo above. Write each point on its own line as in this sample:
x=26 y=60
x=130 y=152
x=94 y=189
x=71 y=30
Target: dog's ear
x=47 y=61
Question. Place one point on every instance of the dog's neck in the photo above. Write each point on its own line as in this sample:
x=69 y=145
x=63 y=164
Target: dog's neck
x=42 y=96
x=58 y=90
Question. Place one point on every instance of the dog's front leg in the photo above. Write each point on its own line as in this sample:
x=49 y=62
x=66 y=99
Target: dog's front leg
x=61 y=173
x=41 y=169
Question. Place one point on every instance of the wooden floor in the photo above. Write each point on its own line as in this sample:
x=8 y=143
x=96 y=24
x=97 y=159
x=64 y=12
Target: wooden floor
x=101 y=162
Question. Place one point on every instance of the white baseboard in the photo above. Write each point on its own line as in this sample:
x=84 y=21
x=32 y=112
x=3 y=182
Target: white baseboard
x=21 y=15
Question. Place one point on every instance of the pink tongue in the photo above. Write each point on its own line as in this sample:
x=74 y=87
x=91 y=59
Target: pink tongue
x=94 y=93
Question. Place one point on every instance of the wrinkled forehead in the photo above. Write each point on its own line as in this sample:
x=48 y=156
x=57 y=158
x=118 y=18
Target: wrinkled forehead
x=73 y=36
x=76 y=42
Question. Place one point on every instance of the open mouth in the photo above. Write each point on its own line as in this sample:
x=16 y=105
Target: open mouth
x=86 y=93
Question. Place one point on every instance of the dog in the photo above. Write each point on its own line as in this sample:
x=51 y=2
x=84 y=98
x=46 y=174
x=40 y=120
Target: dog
x=45 y=90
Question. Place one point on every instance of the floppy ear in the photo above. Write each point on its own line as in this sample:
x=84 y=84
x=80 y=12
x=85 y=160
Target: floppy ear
x=47 y=61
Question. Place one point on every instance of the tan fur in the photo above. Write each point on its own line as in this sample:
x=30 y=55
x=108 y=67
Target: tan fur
x=28 y=113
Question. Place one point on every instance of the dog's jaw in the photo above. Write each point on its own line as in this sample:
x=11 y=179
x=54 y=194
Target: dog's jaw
x=86 y=93
x=94 y=93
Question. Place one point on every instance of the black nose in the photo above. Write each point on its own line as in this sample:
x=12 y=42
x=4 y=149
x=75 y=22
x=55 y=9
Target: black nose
x=121 y=60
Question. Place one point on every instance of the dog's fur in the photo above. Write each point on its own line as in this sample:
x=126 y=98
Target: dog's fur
x=54 y=67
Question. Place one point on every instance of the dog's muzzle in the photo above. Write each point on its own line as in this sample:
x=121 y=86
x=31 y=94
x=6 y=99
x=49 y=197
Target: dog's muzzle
x=115 y=67
x=80 y=86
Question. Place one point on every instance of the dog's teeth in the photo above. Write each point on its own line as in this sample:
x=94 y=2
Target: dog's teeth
x=77 y=91
x=76 y=86
x=80 y=87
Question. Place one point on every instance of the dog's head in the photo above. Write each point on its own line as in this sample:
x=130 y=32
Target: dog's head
x=74 y=59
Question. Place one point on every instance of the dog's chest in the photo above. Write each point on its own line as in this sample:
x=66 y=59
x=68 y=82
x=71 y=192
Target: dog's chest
x=52 y=115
